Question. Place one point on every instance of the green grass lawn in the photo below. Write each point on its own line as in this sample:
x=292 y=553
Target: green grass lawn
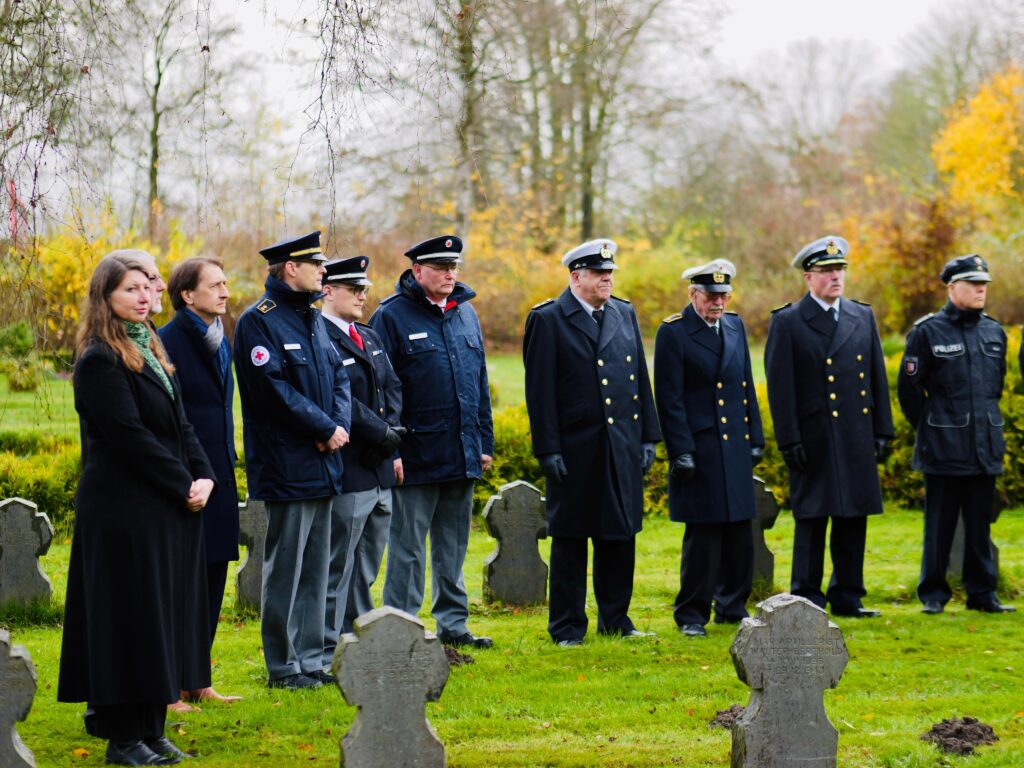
x=619 y=703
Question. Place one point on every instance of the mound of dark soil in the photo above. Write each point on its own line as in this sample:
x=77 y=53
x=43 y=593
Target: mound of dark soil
x=959 y=736
x=726 y=717
x=456 y=659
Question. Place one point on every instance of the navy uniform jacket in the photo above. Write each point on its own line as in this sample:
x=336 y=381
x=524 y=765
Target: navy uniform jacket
x=376 y=403
x=446 y=403
x=949 y=386
x=207 y=396
x=708 y=407
x=294 y=392
x=588 y=394
x=827 y=389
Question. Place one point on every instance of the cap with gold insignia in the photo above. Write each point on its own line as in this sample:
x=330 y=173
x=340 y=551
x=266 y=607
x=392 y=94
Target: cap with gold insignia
x=714 y=277
x=446 y=248
x=971 y=267
x=593 y=254
x=351 y=271
x=828 y=251
x=303 y=248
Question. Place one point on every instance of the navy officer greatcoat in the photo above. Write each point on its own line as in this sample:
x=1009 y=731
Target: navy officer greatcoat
x=588 y=393
x=827 y=389
x=708 y=408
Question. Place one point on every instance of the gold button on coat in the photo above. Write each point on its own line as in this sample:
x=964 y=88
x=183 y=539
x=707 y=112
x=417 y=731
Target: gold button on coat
x=611 y=420
x=725 y=420
x=831 y=378
x=721 y=402
x=605 y=382
x=835 y=415
x=719 y=385
x=859 y=358
x=828 y=361
x=865 y=410
x=861 y=374
x=725 y=437
x=831 y=395
x=607 y=401
x=629 y=358
x=600 y=362
x=632 y=377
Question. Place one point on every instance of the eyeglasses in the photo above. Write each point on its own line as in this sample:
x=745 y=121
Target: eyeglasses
x=358 y=290
x=447 y=266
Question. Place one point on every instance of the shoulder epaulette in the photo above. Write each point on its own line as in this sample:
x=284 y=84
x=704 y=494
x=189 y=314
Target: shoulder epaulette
x=540 y=304
x=862 y=303
x=922 y=319
x=265 y=306
x=986 y=314
x=619 y=298
x=730 y=312
x=777 y=309
x=673 y=318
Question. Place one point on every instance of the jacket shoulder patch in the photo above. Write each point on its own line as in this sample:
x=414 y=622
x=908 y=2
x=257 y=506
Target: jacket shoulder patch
x=673 y=318
x=862 y=303
x=779 y=309
x=265 y=306
x=920 y=320
x=540 y=304
x=619 y=298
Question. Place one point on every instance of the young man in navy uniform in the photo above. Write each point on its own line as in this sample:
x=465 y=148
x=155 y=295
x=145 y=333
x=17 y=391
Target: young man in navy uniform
x=594 y=429
x=361 y=516
x=432 y=336
x=829 y=399
x=296 y=412
x=707 y=407
x=949 y=386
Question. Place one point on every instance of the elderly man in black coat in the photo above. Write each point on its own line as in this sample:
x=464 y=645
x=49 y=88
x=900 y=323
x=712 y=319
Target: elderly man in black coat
x=196 y=343
x=708 y=411
x=594 y=428
x=829 y=399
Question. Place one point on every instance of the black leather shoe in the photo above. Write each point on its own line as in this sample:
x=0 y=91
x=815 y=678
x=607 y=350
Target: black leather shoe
x=167 y=749
x=693 y=630
x=573 y=642
x=325 y=677
x=467 y=639
x=991 y=606
x=857 y=613
x=294 y=682
x=134 y=753
x=932 y=606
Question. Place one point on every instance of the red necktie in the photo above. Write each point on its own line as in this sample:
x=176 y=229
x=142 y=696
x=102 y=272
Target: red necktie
x=354 y=334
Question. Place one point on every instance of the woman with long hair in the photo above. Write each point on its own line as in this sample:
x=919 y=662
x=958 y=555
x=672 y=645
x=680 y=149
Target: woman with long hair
x=134 y=635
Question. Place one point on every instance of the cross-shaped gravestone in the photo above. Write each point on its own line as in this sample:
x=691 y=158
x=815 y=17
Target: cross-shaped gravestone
x=252 y=522
x=767 y=513
x=955 y=569
x=25 y=536
x=788 y=655
x=514 y=572
x=390 y=668
x=17 y=689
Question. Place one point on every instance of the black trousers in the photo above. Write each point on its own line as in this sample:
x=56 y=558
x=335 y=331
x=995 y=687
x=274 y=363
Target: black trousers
x=846 y=543
x=946 y=499
x=216 y=578
x=126 y=722
x=614 y=561
x=717 y=566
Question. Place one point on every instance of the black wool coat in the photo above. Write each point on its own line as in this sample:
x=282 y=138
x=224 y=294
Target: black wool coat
x=588 y=394
x=207 y=397
x=707 y=406
x=136 y=616
x=827 y=389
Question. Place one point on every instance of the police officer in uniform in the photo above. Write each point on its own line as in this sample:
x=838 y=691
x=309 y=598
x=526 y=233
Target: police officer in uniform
x=296 y=411
x=707 y=407
x=829 y=400
x=949 y=386
x=432 y=335
x=594 y=428
x=361 y=516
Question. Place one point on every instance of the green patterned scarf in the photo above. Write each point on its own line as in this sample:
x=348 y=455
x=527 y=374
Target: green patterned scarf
x=140 y=334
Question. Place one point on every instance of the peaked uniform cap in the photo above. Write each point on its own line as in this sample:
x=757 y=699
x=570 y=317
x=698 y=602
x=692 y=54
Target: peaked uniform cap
x=593 y=254
x=971 y=267
x=443 y=248
x=351 y=270
x=714 y=277
x=304 y=248
x=828 y=251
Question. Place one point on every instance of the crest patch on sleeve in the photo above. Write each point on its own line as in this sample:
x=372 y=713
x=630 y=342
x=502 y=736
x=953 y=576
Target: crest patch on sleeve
x=910 y=365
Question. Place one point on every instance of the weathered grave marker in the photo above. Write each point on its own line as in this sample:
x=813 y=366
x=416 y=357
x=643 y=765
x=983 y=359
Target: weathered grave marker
x=788 y=655
x=389 y=668
x=514 y=572
x=252 y=521
x=17 y=689
x=25 y=536
x=767 y=513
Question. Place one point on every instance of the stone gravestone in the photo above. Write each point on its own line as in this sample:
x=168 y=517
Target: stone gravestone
x=767 y=514
x=17 y=689
x=390 y=668
x=252 y=521
x=514 y=572
x=25 y=536
x=955 y=569
x=788 y=655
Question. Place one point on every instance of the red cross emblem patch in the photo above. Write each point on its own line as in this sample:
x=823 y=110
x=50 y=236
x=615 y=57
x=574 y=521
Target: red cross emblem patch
x=259 y=356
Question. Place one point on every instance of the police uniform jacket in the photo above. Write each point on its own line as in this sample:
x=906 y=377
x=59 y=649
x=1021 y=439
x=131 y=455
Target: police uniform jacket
x=588 y=394
x=949 y=386
x=446 y=402
x=294 y=391
x=136 y=626
x=707 y=407
x=376 y=403
x=827 y=389
x=207 y=395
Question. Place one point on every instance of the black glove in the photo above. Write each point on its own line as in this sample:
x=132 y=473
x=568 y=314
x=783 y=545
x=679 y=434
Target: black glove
x=756 y=455
x=554 y=467
x=795 y=457
x=372 y=457
x=683 y=467
x=647 y=461
x=883 y=450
